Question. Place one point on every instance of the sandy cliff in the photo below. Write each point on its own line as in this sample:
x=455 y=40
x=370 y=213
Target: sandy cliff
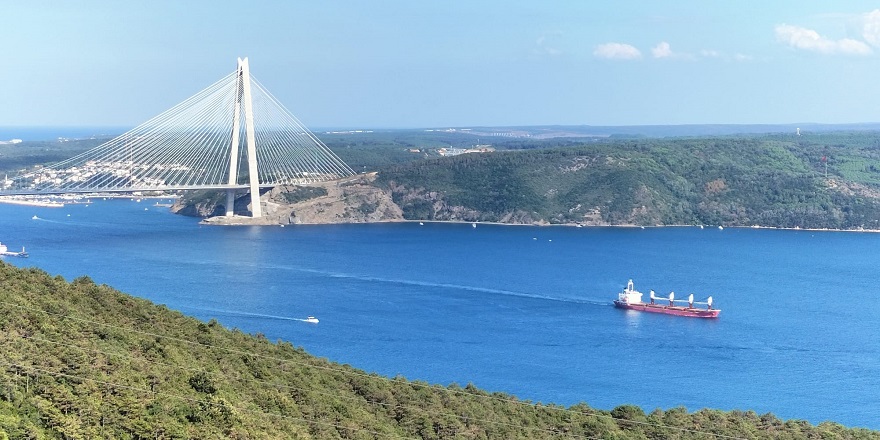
x=350 y=200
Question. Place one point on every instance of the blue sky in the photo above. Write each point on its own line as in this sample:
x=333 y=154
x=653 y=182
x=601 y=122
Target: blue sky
x=374 y=64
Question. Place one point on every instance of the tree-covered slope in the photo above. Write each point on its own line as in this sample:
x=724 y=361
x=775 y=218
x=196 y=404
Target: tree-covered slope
x=15 y=157
x=83 y=361
x=739 y=181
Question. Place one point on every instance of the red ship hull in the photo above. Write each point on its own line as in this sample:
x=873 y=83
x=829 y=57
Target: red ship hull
x=669 y=310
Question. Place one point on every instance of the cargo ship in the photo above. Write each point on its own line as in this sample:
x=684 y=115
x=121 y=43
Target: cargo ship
x=6 y=252
x=631 y=299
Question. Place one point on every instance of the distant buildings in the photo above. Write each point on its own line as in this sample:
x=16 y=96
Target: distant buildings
x=456 y=151
x=348 y=132
x=451 y=151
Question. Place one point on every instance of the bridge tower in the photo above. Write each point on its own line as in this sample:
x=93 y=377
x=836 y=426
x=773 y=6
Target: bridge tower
x=243 y=104
x=199 y=144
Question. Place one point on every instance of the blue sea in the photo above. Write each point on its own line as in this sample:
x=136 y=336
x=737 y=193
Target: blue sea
x=517 y=309
x=38 y=133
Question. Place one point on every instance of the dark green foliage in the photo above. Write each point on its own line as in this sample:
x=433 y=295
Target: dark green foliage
x=737 y=181
x=202 y=383
x=83 y=361
x=368 y=208
x=15 y=157
x=301 y=193
x=204 y=203
x=369 y=151
x=210 y=203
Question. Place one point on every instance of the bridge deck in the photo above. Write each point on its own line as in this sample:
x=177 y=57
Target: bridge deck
x=59 y=191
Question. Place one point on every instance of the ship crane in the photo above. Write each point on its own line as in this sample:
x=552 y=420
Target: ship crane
x=689 y=301
x=672 y=300
x=707 y=302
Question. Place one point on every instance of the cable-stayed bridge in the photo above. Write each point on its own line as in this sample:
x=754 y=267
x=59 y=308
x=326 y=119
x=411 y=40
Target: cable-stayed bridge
x=232 y=135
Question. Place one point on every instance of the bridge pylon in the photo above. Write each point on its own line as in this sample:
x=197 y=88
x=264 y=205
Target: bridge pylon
x=243 y=104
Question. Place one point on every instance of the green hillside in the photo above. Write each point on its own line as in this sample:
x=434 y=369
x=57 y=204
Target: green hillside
x=15 y=157
x=776 y=181
x=83 y=361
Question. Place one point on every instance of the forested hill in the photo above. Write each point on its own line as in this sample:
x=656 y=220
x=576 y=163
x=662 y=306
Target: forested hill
x=83 y=361
x=768 y=180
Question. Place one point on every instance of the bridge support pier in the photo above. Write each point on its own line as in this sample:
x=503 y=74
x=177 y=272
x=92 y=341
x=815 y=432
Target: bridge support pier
x=230 y=202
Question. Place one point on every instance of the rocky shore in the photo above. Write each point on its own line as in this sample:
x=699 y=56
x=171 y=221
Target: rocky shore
x=350 y=200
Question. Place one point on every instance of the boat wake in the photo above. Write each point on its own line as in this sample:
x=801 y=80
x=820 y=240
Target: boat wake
x=45 y=220
x=596 y=301
x=234 y=313
x=590 y=301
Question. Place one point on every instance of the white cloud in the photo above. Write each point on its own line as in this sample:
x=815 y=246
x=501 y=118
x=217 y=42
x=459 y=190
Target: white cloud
x=808 y=39
x=714 y=54
x=662 y=50
x=871 y=29
x=543 y=45
x=618 y=51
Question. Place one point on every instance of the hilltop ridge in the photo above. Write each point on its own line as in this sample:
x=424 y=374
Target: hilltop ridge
x=829 y=181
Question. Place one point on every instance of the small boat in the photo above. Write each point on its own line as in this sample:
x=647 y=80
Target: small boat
x=474 y=225
x=35 y=218
x=311 y=320
x=631 y=299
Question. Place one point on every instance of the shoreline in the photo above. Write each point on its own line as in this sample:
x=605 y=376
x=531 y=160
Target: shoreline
x=246 y=221
x=579 y=225
x=43 y=203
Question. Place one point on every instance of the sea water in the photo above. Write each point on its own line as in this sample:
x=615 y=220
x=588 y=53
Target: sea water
x=38 y=133
x=517 y=309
